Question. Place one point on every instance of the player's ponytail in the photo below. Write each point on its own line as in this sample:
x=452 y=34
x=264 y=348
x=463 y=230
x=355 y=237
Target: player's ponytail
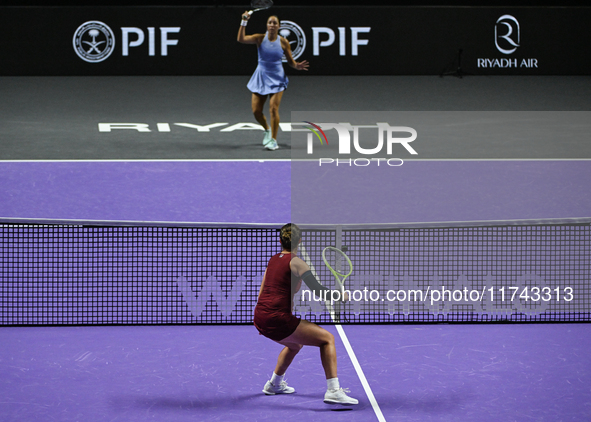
x=290 y=236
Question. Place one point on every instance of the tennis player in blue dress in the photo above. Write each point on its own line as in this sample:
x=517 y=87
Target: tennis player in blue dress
x=269 y=79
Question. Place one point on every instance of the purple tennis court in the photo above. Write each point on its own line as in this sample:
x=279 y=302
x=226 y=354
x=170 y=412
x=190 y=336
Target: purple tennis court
x=180 y=373
x=175 y=370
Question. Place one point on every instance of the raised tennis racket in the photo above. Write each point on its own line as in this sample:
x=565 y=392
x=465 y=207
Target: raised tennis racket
x=259 y=5
x=341 y=267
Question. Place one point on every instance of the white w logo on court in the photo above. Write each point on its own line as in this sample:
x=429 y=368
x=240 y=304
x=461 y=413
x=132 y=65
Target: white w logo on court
x=211 y=289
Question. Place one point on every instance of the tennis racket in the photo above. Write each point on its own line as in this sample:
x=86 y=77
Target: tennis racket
x=259 y=5
x=341 y=267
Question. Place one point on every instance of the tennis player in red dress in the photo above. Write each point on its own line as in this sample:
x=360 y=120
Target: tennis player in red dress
x=274 y=319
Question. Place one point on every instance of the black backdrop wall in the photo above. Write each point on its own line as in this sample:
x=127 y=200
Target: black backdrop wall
x=371 y=40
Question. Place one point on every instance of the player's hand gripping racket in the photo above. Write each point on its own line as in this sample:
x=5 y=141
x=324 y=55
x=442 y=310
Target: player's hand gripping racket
x=341 y=267
x=259 y=5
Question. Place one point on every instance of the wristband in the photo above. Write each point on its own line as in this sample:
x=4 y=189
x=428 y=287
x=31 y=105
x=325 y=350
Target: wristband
x=244 y=22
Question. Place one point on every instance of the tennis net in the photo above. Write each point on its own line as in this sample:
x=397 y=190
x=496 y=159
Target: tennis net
x=89 y=273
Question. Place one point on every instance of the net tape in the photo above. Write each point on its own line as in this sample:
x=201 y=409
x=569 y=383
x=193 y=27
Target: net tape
x=78 y=274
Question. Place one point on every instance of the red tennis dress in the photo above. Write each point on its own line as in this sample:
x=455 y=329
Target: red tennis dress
x=273 y=314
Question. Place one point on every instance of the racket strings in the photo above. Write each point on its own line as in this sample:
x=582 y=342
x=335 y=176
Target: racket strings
x=338 y=262
x=261 y=4
x=341 y=266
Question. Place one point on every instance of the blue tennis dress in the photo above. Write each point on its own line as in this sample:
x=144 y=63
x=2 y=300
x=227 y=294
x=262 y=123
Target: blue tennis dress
x=269 y=76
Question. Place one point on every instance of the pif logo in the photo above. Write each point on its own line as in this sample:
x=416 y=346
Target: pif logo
x=507 y=34
x=93 y=41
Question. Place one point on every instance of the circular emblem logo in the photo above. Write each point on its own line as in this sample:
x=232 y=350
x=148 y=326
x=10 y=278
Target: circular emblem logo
x=296 y=37
x=93 y=41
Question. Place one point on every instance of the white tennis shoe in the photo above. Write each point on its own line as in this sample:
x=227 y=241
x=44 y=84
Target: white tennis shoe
x=282 y=388
x=339 y=396
x=272 y=145
x=267 y=138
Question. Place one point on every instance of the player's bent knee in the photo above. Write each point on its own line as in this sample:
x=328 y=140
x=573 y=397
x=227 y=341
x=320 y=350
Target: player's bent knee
x=296 y=347
x=326 y=338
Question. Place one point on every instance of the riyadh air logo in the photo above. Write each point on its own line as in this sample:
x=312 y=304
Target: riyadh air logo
x=294 y=34
x=507 y=34
x=93 y=41
x=507 y=41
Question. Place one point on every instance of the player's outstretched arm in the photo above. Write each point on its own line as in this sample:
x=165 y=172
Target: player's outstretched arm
x=247 y=39
x=303 y=65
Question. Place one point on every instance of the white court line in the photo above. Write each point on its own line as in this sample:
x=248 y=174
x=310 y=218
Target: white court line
x=180 y=160
x=360 y=374
x=213 y=160
x=497 y=159
x=350 y=352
